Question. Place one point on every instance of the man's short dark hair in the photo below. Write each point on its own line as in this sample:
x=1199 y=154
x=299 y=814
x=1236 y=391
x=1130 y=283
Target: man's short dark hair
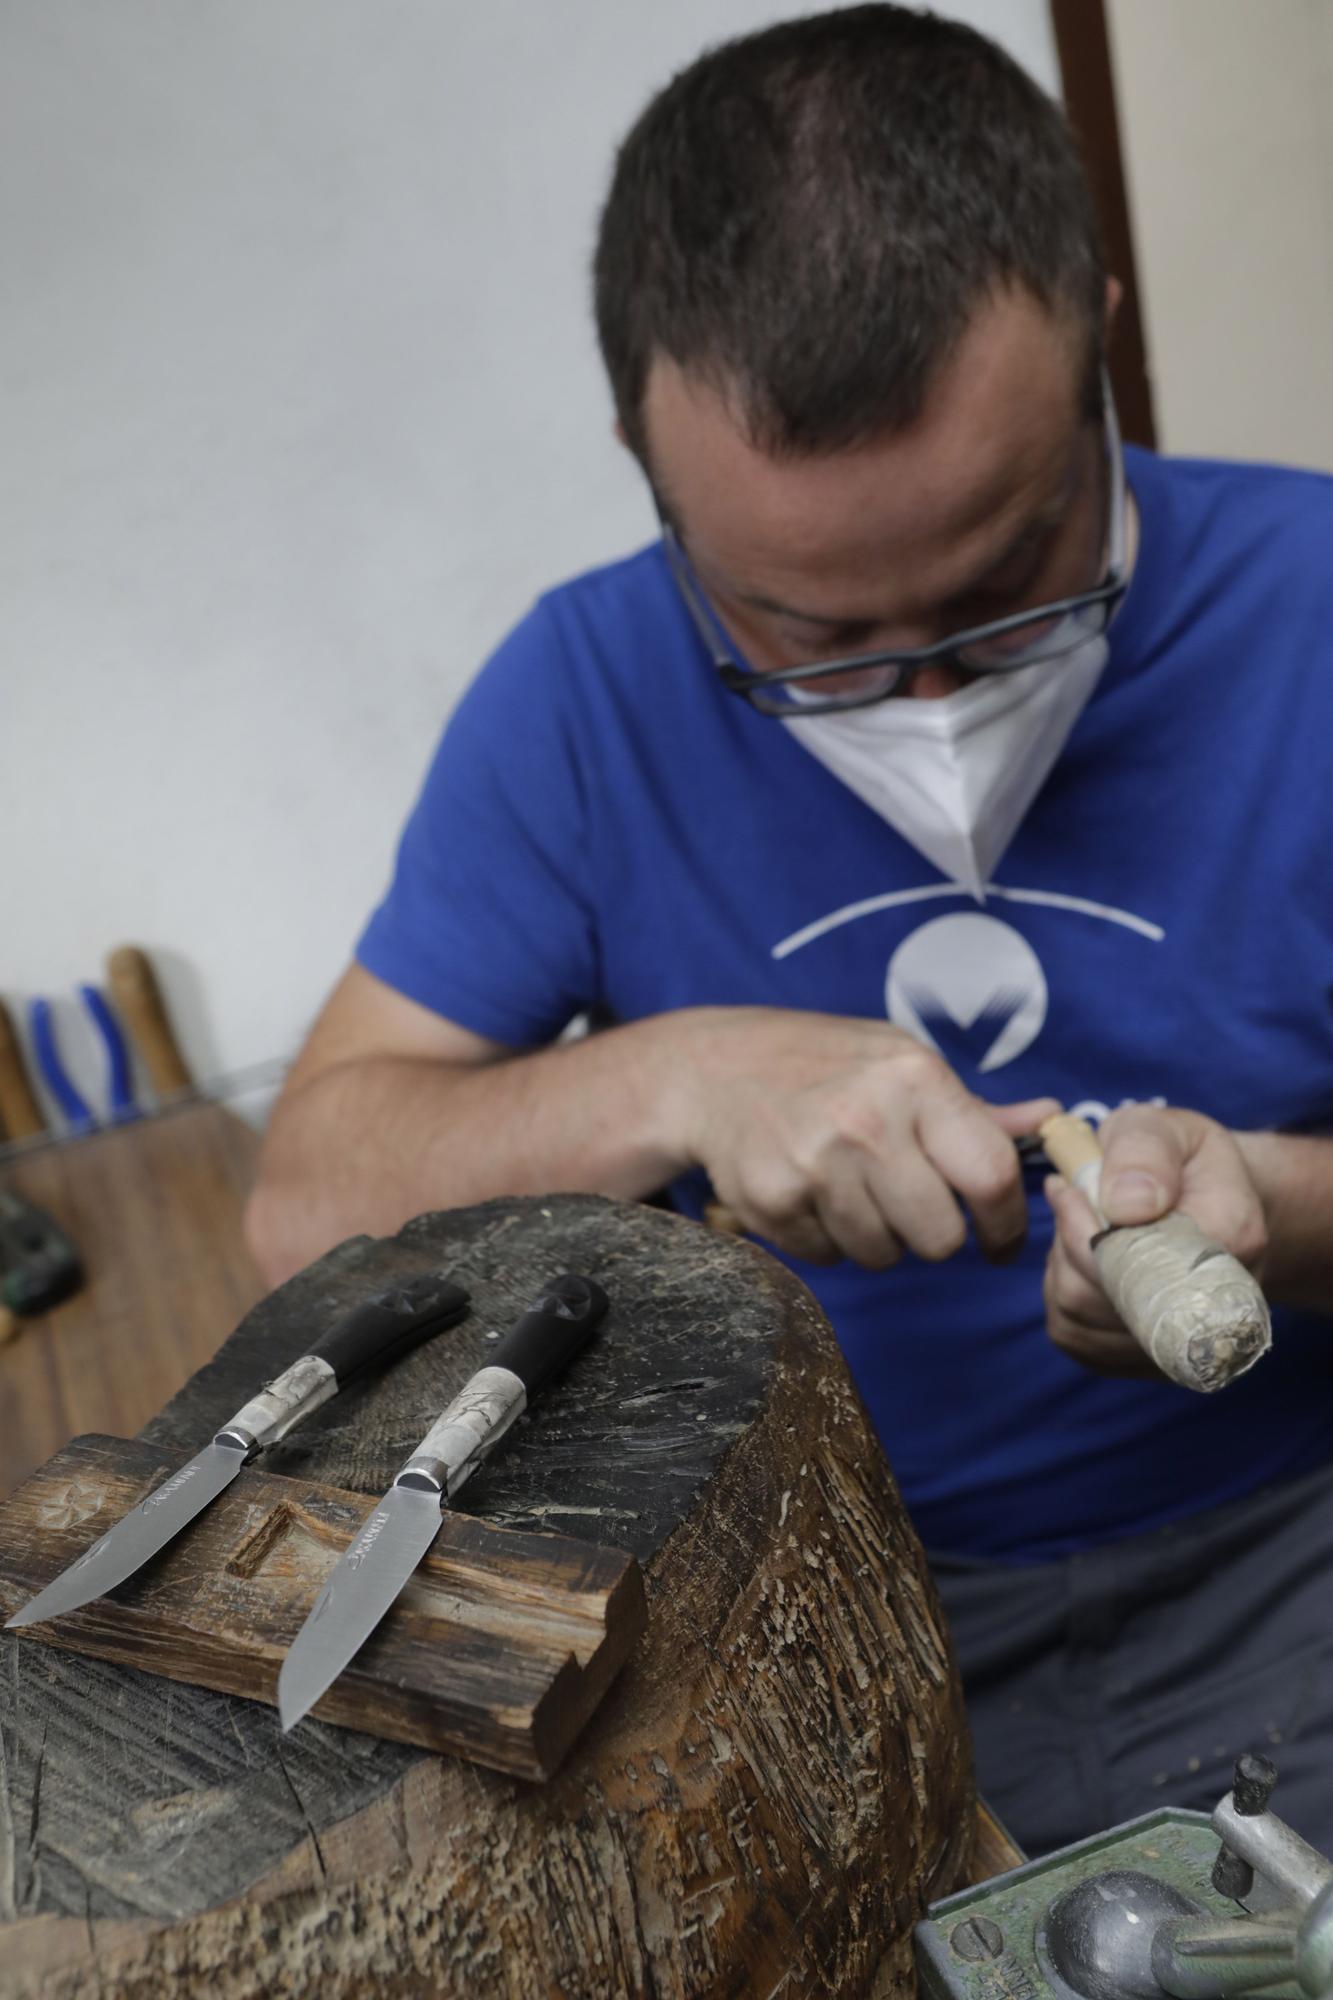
x=809 y=217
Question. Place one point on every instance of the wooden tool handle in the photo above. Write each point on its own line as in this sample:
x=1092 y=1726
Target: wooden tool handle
x=137 y=994
x=1192 y=1306
x=1074 y=1151
x=20 y=1115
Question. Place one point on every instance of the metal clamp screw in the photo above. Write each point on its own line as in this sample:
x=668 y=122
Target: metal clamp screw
x=1252 y=1783
x=976 y=1938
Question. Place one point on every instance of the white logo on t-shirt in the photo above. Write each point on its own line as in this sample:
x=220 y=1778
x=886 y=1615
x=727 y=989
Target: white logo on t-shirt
x=970 y=986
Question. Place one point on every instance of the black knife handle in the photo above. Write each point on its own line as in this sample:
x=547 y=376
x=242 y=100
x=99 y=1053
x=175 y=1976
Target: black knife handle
x=387 y=1327
x=551 y=1331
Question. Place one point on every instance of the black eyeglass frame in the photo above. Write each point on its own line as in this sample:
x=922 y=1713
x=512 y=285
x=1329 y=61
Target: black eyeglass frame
x=762 y=689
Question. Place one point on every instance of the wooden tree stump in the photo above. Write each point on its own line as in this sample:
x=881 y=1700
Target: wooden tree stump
x=770 y=1793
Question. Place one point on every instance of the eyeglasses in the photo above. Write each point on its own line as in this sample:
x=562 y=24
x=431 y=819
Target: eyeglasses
x=1002 y=646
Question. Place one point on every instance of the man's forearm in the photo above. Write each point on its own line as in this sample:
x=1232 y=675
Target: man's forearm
x=1294 y=1176
x=365 y=1145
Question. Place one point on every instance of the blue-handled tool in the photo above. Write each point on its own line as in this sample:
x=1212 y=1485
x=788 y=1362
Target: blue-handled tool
x=120 y=1091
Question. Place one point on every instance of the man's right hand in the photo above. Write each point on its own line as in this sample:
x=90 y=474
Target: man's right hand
x=832 y=1137
x=835 y=1137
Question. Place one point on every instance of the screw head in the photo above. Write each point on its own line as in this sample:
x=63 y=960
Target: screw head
x=976 y=1938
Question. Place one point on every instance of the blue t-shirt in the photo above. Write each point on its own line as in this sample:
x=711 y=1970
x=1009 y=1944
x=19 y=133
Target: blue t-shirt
x=605 y=827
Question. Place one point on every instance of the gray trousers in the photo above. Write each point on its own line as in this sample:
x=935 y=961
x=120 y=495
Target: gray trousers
x=1130 y=1677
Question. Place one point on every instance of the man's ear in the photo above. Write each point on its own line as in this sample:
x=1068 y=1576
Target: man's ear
x=1115 y=291
x=622 y=437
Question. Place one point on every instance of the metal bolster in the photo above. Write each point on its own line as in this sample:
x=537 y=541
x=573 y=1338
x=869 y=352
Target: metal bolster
x=280 y=1404
x=425 y=1475
x=463 y=1434
x=234 y=1434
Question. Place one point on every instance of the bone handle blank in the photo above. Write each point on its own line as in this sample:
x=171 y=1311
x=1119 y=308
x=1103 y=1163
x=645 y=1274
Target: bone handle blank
x=1193 y=1307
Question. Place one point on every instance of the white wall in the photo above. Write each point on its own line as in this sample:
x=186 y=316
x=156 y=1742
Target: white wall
x=1226 y=112
x=300 y=407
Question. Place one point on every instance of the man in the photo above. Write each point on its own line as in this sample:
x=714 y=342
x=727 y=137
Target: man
x=1041 y=814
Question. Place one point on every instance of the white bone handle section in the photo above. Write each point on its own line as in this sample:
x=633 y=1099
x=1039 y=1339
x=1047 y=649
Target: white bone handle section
x=462 y=1435
x=282 y=1403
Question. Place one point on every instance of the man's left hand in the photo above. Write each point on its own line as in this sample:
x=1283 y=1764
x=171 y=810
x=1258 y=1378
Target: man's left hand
x=1155 y=1160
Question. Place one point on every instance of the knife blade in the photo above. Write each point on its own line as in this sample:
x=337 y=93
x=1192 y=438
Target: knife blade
x=392 y=1540
x=374 y=1333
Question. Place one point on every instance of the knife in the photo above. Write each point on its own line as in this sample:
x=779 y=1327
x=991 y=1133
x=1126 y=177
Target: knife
x=379 y=1330
x=393 y=1539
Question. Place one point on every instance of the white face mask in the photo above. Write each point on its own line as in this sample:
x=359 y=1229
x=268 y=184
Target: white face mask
x=954 y=776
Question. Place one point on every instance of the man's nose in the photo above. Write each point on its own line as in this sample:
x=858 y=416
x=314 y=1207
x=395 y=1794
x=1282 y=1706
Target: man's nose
x=935 y=681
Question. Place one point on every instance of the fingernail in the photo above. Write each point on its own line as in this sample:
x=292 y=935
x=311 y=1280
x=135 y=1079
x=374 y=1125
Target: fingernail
x=1053 y=1186
x=1133 y=1197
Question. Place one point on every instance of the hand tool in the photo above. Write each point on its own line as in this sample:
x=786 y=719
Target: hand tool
x=20 y=1115
x=1193 y=1307
x=393 y=1539
x=717 y=1215
x=120 y=1092
x=137 y=994
x=39 y=1266
x=379 y=1330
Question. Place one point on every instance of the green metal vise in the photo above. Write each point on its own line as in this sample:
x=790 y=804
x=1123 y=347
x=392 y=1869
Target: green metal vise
x=1173 y=1904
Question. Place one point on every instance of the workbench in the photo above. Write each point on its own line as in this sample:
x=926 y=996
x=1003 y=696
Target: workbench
x=774 y=1787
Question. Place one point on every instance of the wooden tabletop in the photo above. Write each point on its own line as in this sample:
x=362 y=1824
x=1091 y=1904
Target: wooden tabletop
x=154 y=1208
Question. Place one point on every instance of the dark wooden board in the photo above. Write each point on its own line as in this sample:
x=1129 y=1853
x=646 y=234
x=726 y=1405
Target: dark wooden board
x=770 y=1791
x=498 y=1650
